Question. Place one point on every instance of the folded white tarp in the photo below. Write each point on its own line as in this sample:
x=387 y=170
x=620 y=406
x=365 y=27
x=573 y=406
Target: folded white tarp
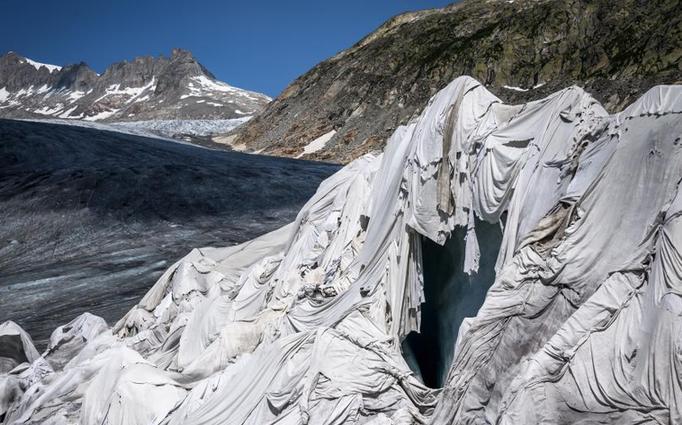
x=304 y=325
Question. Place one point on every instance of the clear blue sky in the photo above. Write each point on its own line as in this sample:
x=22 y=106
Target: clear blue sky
x=258 y=45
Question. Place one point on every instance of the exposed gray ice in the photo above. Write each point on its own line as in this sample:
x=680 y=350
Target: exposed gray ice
x=89 y=219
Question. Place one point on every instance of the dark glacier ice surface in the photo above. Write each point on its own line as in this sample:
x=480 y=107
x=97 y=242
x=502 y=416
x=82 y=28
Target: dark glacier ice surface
x=89 y=218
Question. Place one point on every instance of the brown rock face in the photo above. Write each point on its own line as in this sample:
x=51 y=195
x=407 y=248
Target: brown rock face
x=615 y=49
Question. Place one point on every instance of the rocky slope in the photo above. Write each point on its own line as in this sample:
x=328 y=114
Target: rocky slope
x=521 y=49
x=147 y=88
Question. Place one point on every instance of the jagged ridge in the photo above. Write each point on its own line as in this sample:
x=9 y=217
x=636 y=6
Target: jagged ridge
x=147 y=88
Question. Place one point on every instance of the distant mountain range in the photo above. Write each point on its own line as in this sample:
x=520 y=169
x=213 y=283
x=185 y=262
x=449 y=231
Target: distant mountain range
x=520 y=49
x=144 y=89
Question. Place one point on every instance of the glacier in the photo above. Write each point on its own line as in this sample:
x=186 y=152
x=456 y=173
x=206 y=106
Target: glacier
x=170 y=130
x=550 y=234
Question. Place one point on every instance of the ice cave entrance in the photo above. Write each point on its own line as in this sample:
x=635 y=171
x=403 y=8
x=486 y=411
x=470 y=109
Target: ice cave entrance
x=451 y=296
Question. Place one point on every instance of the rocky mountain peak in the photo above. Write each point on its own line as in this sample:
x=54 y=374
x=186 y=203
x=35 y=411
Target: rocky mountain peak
x=144 y=88
x=78 y=77
x=181 y=54
x=181 y=67
x=17 y=71
x=133 y=73
x=10 y=57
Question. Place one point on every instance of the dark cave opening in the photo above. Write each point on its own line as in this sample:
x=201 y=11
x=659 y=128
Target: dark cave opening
x=450 y=296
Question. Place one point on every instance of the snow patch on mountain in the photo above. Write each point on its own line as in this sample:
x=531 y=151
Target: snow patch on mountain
x=208 y=84
x=317 y=144
x=130 y=92
x=38 y=65
x=50 y=111
x=101 y=115
x=68 y=113
x=73 y=96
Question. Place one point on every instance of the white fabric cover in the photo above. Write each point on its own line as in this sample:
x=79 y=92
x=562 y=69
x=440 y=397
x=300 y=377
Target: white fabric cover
x=303 y=325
